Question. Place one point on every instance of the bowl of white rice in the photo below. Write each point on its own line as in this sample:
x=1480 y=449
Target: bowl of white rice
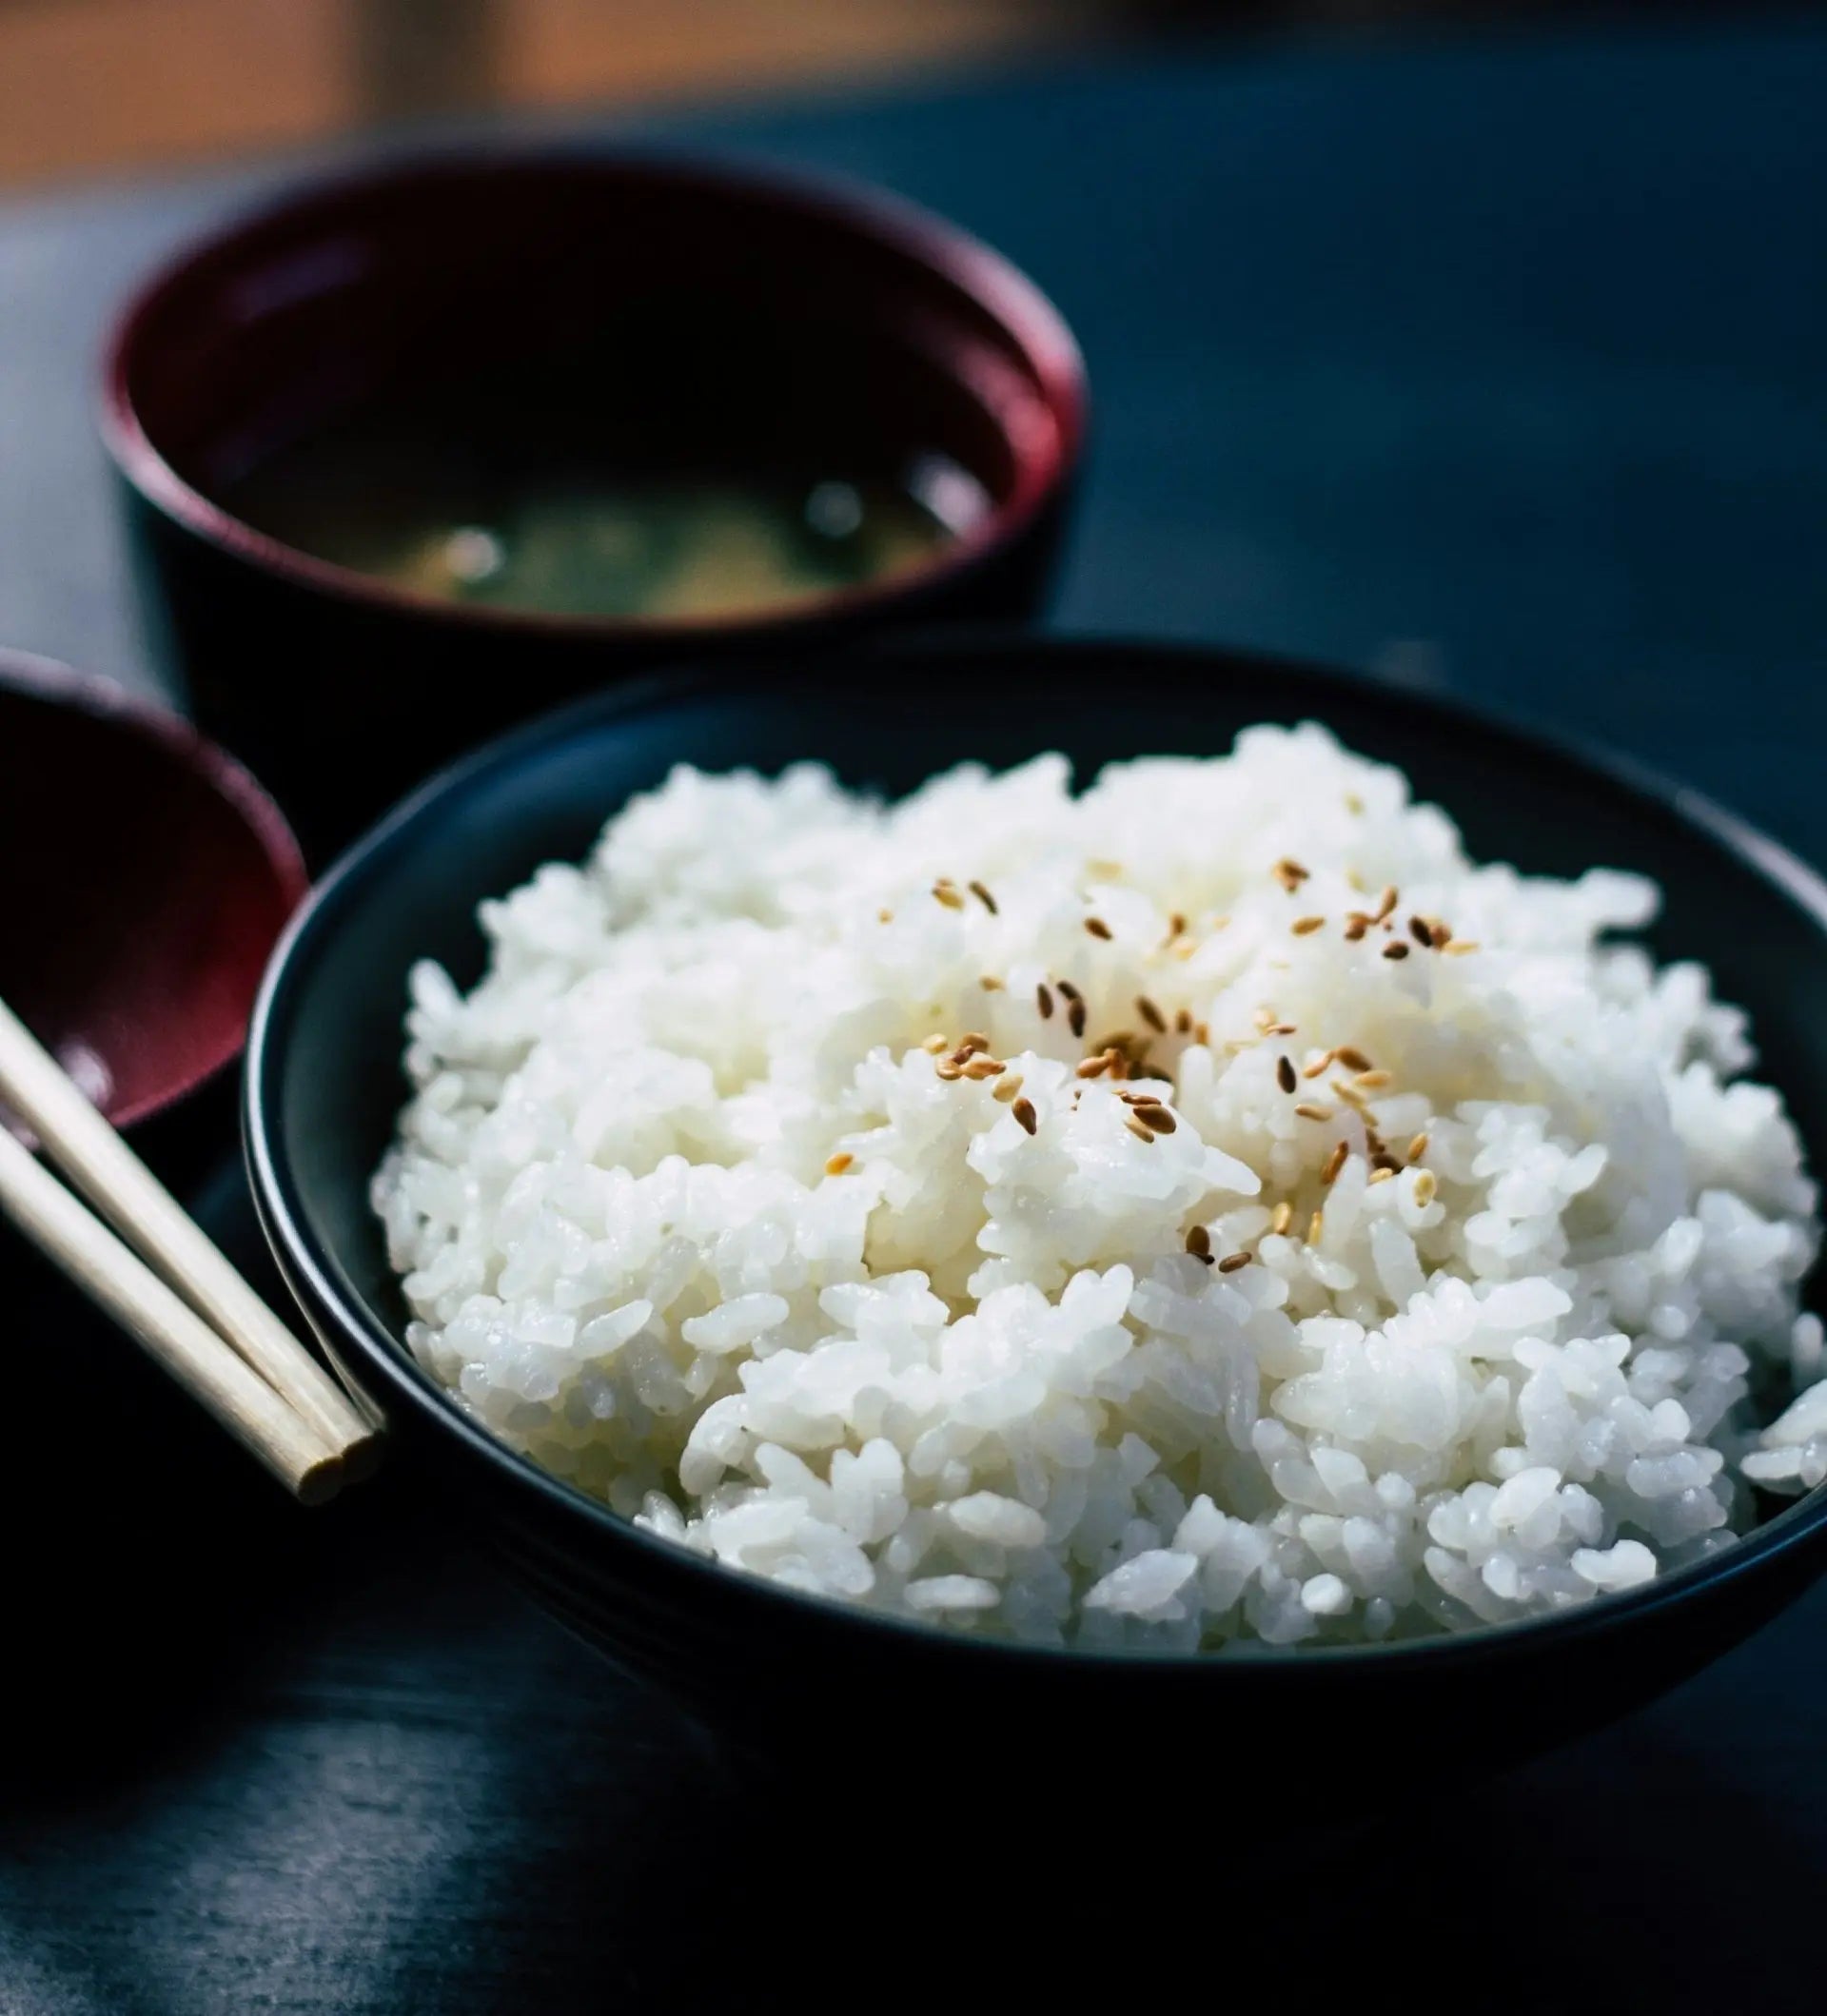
x=949 y=1198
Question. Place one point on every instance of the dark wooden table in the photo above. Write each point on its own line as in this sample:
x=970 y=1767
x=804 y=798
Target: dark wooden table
x=1500 y=366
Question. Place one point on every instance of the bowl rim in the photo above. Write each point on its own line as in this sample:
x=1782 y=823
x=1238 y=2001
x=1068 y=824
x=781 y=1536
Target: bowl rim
x=110 y=706
x=312 y=1275
x=991 y=279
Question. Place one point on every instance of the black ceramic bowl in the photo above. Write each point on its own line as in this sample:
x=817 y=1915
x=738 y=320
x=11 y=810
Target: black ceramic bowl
x=649 y=314
x=824 y=1682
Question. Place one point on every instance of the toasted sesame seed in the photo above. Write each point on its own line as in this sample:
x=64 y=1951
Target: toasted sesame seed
x=1093 y=1066
x=1183 y=1023
x=1176 y=924
x=990 y=984
x=1317 y=1064
x=983 y=896
x=1460 y=947
x=1334 y=1163
x=1387 y=903
x=1306 y=926
x=1231 y=1261
x=1044 y=1001
x=1281 y=1028
x=985 y=1067
x=1316 y=1228
x=1140 y=1132
x=1426 y=1183
x=1008 y=1088
x=1374 y=1080
x=1285 y=1073
x=1202 y=1033
x=884 y=916
x=1353 y=1059
x=1421 y=931
x=1199 y=1242
x=1395 y=949
x=1024 y=1111
x=1157 y=1119
x=1282 y=1216
x=838 y=1164
x=947 y=1070
x=935 y=1044
x=973 y=1040
x=1097 y=926
x=1290 y=874
x=1309 y=1109
x=1070 y=992
x=948 y=895
x=1418 y=1147
x=1381 y=1175
x=1075 y=1018
x=1142 y=1099
x=1150 y=1013
x=1355 y=927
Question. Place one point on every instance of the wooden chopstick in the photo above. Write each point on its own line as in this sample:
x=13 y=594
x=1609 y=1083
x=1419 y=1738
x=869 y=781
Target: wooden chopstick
x=57 y=1222
x=149 y=1220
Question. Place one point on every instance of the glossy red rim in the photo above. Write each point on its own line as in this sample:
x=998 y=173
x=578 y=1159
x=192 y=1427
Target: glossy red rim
x=998 y=287
x=114 y=707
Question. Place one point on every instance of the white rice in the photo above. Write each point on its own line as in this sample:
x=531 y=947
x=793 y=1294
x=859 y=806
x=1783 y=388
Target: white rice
x=972 y=1373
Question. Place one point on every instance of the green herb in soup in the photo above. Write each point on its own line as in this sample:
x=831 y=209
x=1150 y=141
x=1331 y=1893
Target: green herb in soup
x=515 y=531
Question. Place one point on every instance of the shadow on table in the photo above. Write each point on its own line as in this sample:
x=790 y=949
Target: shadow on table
x=152 y=1564
x=1618 y=1876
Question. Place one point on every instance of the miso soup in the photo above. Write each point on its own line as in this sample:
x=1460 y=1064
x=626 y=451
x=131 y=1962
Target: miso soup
x=465 y=503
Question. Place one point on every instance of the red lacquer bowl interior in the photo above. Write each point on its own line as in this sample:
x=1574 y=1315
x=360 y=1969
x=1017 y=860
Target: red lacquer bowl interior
x=148 y=876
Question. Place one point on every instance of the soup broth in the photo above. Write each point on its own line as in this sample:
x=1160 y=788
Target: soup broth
x=465 y=507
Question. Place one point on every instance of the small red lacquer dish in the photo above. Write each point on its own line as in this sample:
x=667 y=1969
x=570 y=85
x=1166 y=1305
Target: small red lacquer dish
x=147 y=878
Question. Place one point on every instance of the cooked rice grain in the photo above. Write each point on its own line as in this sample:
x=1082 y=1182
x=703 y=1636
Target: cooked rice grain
x=685 y=1211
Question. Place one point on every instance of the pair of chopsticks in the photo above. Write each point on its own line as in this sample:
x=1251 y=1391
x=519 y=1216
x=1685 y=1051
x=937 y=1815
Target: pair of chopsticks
x=167 y=1286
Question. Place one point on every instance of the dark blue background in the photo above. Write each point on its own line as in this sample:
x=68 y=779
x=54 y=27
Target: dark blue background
x=1499 y=365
